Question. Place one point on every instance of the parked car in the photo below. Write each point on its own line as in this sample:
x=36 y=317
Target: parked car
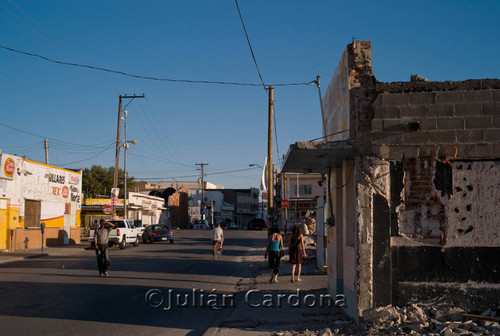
x=201 y=224
x=257 y=224
x=139 y=226
x=122 y=234
x=155 y=233
x=232 y=226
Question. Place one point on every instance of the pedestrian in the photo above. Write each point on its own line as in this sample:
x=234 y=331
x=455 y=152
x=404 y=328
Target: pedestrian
x=297 y=250
x=217 y=239
x=275 y=250
x=101 y=239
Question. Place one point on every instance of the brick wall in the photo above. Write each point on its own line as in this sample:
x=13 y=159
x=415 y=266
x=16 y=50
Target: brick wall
x=463 y=117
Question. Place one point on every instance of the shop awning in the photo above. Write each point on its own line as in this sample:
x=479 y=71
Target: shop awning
x=317 y=157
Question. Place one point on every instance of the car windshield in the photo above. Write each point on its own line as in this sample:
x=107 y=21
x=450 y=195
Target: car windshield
x=160 y=228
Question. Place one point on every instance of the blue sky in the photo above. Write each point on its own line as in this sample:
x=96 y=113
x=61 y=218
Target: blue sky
x=178 y=124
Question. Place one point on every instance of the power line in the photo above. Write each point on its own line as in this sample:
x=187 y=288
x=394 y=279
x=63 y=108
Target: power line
x=90 y=158
x=146 y=77
x=52 y=139
x=249 y=44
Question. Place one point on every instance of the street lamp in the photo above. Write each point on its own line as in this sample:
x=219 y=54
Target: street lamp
x=125 y=147
x=260 y=201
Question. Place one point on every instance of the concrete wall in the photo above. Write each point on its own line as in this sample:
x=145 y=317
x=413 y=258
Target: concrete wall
x=465 y=120
x=443 y=143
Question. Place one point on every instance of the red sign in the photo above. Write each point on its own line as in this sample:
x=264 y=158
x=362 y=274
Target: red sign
x=285 y=203
x=107 y=209
x=65 y=192
x=9 y=167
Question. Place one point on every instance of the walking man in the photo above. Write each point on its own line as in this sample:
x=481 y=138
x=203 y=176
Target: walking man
x=217 y=239
x=101 y=238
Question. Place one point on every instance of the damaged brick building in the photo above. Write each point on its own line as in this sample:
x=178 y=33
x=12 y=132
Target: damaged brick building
x=413 y=195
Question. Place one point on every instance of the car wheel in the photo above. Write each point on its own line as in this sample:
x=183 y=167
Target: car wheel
x=111 y=244
x=136 y=243
x=171 y=241
x=123 y=243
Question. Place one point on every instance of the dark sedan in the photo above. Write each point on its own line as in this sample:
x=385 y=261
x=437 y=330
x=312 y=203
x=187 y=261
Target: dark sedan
x=155 y=233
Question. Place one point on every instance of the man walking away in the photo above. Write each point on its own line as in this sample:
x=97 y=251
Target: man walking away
x=101 y=238
x=217 y=239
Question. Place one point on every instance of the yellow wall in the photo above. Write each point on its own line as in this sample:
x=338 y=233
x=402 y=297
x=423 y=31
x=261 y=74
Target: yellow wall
x=4 y=228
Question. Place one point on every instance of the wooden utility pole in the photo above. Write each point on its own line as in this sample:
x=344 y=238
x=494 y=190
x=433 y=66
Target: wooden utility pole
x=202 y=182
x=118 y=141
x=270 y=168
x=46 y=145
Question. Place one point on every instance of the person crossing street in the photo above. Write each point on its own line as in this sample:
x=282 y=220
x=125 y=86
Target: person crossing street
x=101 y=239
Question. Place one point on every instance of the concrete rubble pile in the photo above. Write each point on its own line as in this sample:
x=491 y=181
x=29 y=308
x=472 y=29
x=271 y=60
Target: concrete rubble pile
x=412 y=320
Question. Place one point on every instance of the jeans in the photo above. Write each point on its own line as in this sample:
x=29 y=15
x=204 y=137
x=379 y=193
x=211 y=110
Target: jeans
x=102 y=254
x=274 y=261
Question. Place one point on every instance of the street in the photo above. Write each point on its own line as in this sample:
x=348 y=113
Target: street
x=64 y=294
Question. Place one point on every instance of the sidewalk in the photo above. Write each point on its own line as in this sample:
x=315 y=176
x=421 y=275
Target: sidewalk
x=286 y=319
x=65 y=250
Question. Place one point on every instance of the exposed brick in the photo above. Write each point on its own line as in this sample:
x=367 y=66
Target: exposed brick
x=491 y=135
x=440 y=110
x=428 y=150
x=395 y=125
x=378 y=101
x=412 y=111
x=449 y=97
x=491 y=109
x=422 y=98
x=386 y=138
x=485 y=151
x=478 y=122
x=415 y=138
x=377 y=125
x=395 y=99
x=450 y=123
x=384 y=112
x=477 y=96
x=466 y=137
x=468 y=109
x=406 y=151
x=440 y=137
x=495 y=95
x=496 y=121
x=428 y=124
x=466 y=151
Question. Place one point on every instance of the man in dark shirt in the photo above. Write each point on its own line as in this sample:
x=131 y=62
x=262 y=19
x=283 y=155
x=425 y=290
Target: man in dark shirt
x=101 y=238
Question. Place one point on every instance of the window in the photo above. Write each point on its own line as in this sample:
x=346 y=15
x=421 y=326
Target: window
x=305 y=189
x=32 y=213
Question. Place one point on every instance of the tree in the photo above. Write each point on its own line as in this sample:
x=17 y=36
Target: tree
x=98 y=181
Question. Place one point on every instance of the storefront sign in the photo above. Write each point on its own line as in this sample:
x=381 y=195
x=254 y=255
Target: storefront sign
x=74 y=179
x=61 y=179
x=8 y=167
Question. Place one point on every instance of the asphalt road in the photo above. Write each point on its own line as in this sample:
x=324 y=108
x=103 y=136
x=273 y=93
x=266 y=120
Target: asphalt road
x=58 y=295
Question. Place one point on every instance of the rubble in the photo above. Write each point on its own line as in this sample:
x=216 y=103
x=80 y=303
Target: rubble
x=412 y=320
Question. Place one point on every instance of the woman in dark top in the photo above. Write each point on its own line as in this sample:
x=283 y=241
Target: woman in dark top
x=297 y=250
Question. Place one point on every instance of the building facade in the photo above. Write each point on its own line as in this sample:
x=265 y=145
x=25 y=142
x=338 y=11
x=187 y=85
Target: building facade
x=413 y=173
x=32 y=193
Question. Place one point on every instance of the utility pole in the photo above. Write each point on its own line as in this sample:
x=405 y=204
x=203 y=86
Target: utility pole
x=118 y=141
x=46 y=145
x=202 y=165
x=270 y=168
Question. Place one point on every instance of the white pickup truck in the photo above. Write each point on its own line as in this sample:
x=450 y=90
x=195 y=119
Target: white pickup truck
x=122 y=234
